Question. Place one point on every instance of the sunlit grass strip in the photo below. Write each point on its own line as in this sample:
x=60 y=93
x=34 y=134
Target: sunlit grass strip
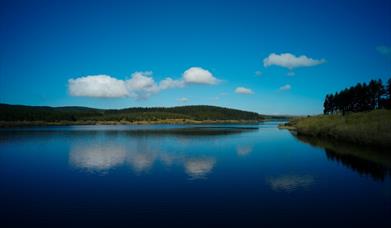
x=370 y=128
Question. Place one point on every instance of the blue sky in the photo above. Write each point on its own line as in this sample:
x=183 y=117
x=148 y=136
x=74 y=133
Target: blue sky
x=115 y=54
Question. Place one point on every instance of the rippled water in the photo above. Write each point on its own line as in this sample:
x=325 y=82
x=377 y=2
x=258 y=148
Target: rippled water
x=183 y=175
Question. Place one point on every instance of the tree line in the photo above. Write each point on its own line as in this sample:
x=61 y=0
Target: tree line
x=53 y=114
x=359 y=98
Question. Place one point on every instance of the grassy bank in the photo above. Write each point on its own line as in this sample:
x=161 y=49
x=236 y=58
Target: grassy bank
x=367 y=128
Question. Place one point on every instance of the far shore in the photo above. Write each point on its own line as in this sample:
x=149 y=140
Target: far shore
x=8 y=124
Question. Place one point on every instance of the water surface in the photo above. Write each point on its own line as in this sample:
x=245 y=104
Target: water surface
x=183 y=175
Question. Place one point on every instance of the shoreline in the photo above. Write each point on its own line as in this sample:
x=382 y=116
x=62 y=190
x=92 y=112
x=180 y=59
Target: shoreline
x=11 y=124
x=363 y=128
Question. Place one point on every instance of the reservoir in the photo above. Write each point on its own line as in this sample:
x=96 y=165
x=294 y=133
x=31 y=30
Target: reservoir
x=188 y=176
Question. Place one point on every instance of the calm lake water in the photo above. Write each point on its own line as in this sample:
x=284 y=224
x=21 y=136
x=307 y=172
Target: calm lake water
x=181 y=175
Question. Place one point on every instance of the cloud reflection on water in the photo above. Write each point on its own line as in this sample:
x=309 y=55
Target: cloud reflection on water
x=141 y=161
x=141 y=157
x=289 y=183
x=198 y=168
x=243 y=150
x=97 y=157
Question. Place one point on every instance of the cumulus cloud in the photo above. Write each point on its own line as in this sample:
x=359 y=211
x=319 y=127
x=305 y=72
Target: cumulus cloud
x=286 y=87
x=290 y=61
x=170 y=83
x=141 y=85
x=198 y=75
x=384 y=50
x=97 y=86
x=243 y=90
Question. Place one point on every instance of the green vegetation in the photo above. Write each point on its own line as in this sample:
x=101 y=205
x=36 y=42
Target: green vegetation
x=356 y=114
x=26 y=115
x=369 y=128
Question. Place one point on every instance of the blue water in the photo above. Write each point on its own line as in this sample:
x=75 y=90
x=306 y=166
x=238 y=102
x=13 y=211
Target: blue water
x=184 y=176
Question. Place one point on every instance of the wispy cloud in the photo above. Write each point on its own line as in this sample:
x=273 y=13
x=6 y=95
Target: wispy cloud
x=258 y=73
x=286 y=87
x=183 y=99
x=243 y=90
x=384 y=50
x=141 y=85
x=290 y=61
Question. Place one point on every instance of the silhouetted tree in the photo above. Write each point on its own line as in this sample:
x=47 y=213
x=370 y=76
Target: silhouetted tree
x=387 y=99
x=327 y=104
x=358 y=98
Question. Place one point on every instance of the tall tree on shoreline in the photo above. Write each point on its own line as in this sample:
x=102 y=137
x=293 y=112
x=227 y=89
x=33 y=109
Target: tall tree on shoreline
x=358 y=98
x=387 y=101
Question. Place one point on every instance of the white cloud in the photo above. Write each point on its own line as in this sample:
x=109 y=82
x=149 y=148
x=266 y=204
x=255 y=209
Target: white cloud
x=243 y=90
x=97 y=86
x=290 y=61
x=170 y=83
x=141 y=85
x=258 y=73
x=183 y=99
x=198 y=75
x=286 y=87
x=384 y=50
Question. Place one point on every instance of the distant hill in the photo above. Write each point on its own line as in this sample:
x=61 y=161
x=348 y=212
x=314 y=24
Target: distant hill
x=12 y=113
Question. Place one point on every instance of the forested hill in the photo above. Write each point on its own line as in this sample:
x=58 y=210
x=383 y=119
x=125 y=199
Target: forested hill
x=9 y=113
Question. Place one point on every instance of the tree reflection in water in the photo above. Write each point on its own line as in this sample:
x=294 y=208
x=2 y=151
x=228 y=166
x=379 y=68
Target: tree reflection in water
x=373 y=162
